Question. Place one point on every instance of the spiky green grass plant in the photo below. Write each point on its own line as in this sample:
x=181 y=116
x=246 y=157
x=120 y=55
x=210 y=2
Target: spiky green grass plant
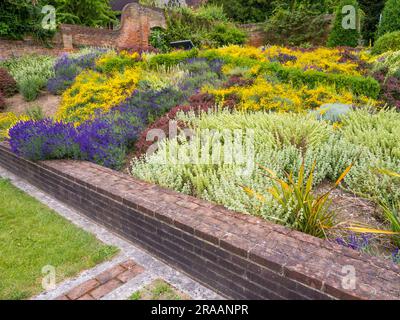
x=282 y=142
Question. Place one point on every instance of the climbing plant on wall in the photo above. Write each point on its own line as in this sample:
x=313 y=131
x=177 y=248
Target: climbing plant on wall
x=22 y=17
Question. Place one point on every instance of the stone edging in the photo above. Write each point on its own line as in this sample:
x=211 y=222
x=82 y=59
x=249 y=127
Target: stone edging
x=240 y=256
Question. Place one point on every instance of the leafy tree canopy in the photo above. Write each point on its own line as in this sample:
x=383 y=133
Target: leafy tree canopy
x=390 y=18
x=22 y=17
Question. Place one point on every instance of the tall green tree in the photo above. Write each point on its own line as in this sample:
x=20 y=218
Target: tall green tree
x=372 y=10
x=24 y=17
x=246 y=11
x=322 y=6
x=390 y=18
x=21 y=17
x=92 y=13
x=345 y=29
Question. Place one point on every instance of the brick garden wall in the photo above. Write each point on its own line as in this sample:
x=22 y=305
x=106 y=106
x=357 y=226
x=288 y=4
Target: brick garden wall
x=256 y=34
x=136 y=24
x=76 y=36
x=240 y=256
x=9 y=48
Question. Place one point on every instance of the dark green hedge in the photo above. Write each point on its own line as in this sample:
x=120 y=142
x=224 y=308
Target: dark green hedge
x=172 y=59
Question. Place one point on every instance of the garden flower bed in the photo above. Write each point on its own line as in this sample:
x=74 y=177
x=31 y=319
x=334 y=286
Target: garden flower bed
x=301 y=120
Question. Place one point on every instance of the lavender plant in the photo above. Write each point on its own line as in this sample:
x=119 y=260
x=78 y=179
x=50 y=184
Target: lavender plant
x=67 y=69
x=355 y=242
x=44 y=139
x=106 y=139
x=103 y=140
x=396 y=256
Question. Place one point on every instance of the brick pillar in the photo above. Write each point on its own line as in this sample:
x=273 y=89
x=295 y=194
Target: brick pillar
x=144 y=32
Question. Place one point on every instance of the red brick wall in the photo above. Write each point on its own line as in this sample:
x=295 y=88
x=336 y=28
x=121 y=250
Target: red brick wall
x=85 y=36
x=137 y=20
x=256 y=34
x=9 y=48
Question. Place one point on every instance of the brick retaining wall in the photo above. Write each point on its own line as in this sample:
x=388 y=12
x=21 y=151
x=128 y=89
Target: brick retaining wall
x=240 y=256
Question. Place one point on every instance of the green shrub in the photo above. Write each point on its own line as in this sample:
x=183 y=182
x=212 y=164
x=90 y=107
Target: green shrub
x=35 y=113
x=169 y=60
x=212 y=12
x=388 y=42
x=224 y=34
x=390 y=18
x=201 y=29
x=246 y=11
x=359 y=85
x=159 y=39
x=31 y=72
x=340 y=36
x=92 y=13
x=296 y=27
x=112 y=62
x=30 y=87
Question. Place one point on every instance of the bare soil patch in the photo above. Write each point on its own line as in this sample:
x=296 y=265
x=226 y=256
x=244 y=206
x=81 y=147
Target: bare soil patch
x=48 y=102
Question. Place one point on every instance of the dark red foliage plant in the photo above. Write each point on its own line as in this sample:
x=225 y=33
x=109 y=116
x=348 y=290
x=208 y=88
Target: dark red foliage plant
x=238 y=81
x=8 y=86
x=2 y=102
x=198 y=103
x=390 y=86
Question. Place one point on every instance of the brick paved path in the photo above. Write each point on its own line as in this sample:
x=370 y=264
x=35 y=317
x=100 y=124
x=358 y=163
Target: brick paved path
x=104 y=283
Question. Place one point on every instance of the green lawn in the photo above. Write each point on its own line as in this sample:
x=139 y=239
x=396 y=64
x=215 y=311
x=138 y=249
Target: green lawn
x=33 y=236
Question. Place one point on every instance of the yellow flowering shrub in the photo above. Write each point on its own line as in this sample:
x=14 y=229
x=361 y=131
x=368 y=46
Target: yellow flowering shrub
x=324 y=59
x=112 y=61
x=236 y=51
x=93 y=91
x=366 y=56
x=7 y=121
x=264 y=95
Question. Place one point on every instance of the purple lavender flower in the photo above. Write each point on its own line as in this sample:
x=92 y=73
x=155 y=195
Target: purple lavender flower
x=105 y=139
x=396 y=256
x=358 y=243
x=43 y=139
x=67 y=69
x=282 y=58
x=312 y=67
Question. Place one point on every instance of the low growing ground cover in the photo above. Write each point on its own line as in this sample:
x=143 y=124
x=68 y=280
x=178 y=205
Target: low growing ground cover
x=158 y=290
x=32 y=237
x=298 y=120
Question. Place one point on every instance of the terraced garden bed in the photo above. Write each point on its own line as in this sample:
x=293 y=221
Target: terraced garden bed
x=304 y=138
